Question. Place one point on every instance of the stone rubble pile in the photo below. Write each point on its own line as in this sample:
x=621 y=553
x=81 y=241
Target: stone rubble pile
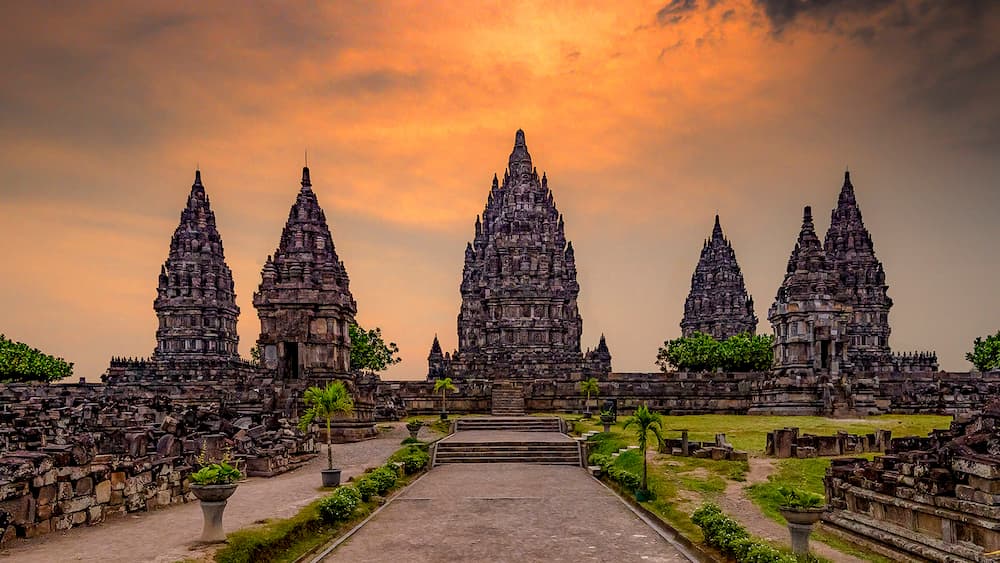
x=787 y=442
x=936 y=497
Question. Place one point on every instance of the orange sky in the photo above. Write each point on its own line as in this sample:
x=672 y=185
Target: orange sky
x=648 y=118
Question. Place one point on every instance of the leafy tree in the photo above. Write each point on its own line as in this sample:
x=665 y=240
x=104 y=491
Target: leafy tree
x=22 y=363
x=701 y=352
x=645 y=422
x=698 y=352
x=325 y=404
x=369 y=352
x=985 y=354
x=444 y=385
x=589 y=387
x=747 y=352
x=256 y=356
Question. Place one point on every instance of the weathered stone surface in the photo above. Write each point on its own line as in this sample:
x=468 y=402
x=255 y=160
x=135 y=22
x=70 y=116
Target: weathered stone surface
x=195 y=301
x=718 y=303
x=519 y=315
x=304 y=300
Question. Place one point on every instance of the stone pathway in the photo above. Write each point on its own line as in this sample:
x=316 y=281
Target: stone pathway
x=506 y=512
x=167 y=535
x=737 y=504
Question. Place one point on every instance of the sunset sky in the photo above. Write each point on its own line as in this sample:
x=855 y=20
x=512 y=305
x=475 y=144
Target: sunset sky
x=648 y=118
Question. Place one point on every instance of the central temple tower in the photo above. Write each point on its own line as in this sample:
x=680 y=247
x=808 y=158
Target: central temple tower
x=519 y=316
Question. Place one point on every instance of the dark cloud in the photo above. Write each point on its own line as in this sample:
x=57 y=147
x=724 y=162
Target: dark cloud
x=674 y=11
x=784 y=12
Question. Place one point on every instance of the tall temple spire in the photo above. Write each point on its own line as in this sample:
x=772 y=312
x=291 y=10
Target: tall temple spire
x=519 y=314
x=304 y=300
x=718 y=303
x=195 y=298
x=851 y=254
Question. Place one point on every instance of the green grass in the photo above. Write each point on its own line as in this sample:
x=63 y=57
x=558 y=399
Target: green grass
x=800 y=474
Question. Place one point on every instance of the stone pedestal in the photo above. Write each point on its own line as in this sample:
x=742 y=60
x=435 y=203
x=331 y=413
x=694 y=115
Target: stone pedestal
x=212 y=531
x=800 y=537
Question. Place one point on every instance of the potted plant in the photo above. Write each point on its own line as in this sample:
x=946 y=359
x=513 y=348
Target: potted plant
x=802 y=510
x=645 y=421
x=414 y=427
x=213 y=484
x=607 y=419
x=444 y=385
x=589 y=387
x=325 y=403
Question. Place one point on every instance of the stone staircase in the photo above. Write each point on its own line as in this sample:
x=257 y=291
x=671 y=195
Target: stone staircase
x=510 y=423
x=508 y=440
x=507 y=400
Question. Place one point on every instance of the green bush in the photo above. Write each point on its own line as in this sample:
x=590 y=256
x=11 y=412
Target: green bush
x=384 y=479
x=367 y=488
x=628 y=480
x=985 y=354
x=602 y=460
x=410 y=440
x=340 y=505
x=414 y=458
x=731 y=538
x=702 y=352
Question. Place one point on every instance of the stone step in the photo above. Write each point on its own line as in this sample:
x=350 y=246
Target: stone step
x=569 y=447
x=442 y=454
x=539 y=460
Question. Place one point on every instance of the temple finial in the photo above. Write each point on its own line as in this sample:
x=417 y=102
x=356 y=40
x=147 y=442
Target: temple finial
x=197 y=176
x=306 y=182
x=717 y=229
x=807 y=215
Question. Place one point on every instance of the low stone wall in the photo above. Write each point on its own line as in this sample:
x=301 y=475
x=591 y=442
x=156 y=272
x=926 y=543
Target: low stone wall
x=937 y=498
x=714 y=393
x=787 y=442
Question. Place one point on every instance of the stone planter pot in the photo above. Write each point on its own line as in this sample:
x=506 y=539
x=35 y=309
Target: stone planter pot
x=587 y=415
x=607 y=421
x=414 y=429
x=331 y=477
x=213 y=504
x=444 y=416
x=643 y=496
x=800 y=525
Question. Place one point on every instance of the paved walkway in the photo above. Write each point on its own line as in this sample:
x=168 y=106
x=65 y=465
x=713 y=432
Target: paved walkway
x=505 y=512
x=167 y=535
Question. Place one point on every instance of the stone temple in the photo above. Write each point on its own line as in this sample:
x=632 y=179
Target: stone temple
x=810 y=312
x=718 y=304
x=195 y=301
x=849 y=248
x=519 y=317
x=304 y=300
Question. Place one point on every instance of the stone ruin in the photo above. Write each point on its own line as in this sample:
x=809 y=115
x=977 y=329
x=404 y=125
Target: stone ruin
x=936 y=498
x=787 y=442
x=720 y=449
x=78 y=454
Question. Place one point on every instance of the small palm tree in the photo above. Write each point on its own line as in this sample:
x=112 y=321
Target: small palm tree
x=325 y=404
x=444 y=385
x=645 y=422
x=589 y=387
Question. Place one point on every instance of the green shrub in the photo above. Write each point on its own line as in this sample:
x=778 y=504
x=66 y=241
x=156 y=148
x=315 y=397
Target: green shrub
x=410 y=440
x=414 y=458
x=731 y=538
x=601 y=460
x=340 y=505
x=628 y=480
x=384 y=479
x=367 y=488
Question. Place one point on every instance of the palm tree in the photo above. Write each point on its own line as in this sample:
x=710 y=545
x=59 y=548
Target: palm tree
x=444 y=385
x=588 y=387
x=325 y=404
x=644 y=422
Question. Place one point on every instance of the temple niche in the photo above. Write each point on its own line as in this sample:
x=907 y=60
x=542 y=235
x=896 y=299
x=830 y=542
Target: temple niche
x=195 y=302
x=304 y=301
x=718 y=303
x=519 y=316
x=811 y=312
